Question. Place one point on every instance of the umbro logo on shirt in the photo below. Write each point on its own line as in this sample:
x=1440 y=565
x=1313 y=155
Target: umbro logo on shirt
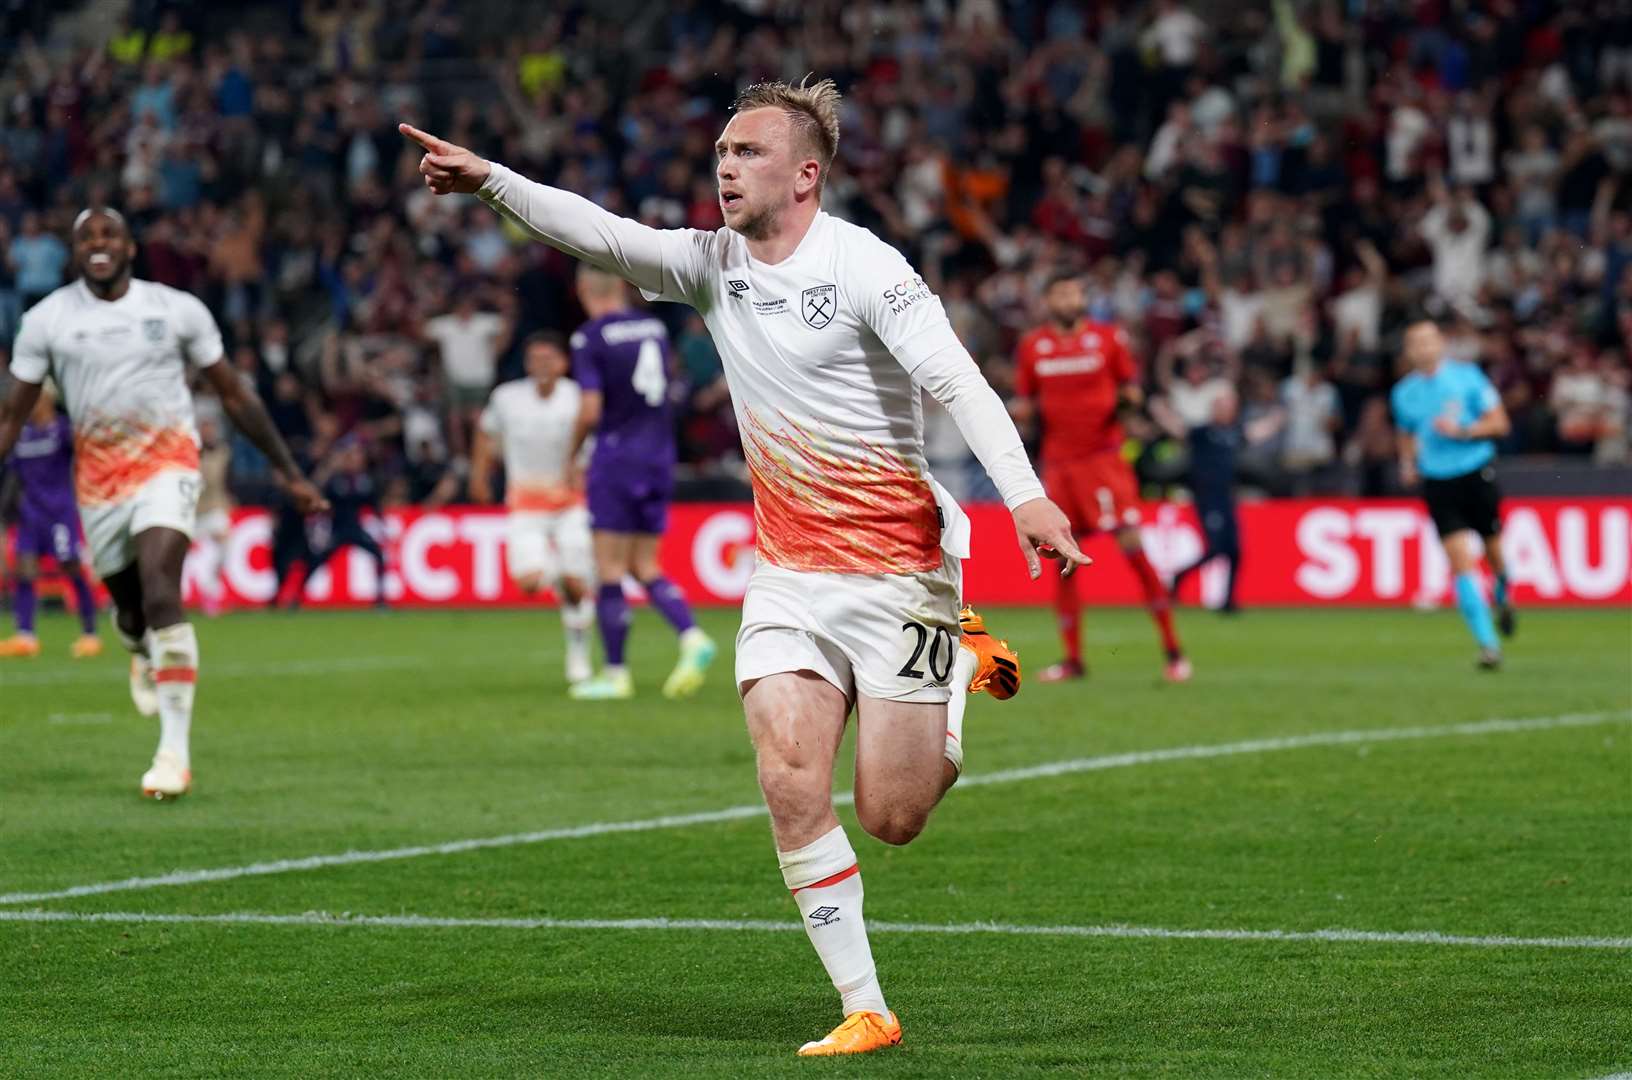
x=737 y=287
x=825 y=915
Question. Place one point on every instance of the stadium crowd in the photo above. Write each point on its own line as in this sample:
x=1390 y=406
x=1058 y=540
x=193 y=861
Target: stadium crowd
x=1258 y=193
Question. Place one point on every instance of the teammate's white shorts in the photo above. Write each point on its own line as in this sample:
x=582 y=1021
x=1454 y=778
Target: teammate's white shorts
x=168 y=501
x=552 y=544
x=886 y=636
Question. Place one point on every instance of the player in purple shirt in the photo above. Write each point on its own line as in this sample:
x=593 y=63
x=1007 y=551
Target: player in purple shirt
x=41 y=466
x=622 y=361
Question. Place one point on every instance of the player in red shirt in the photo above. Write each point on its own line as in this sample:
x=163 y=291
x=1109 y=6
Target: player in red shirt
x=1075 y=377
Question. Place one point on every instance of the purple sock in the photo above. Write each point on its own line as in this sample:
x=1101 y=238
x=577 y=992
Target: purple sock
x=667 y=599
x=85 y=602
x=24 y=606
x=612 y=615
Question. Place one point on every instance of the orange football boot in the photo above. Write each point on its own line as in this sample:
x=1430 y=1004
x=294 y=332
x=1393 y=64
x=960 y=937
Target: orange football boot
x=999 y=671
x=85 y=647
x=22 y=646
x=861 y=1033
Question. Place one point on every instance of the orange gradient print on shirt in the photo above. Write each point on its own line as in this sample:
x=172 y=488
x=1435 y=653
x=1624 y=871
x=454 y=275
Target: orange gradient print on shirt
x=541 y=498
x=113 y=458
x=868 y=513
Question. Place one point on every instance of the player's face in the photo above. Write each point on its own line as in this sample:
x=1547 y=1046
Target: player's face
x=103 y=249
x=546 y=363
x=1424 y=345
x=1065 y=301
x=759 y=171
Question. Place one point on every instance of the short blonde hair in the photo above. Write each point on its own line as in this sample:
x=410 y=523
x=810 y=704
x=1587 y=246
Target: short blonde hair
x=812 y=112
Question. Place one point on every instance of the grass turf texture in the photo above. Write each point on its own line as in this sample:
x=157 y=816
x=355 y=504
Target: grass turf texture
x=321 y=733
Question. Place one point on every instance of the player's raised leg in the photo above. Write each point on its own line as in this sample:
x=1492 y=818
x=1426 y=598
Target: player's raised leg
x=160 y=553
x=985 y=664
x=796 y=721
x=899 y=749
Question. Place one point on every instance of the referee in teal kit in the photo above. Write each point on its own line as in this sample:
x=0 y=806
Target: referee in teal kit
x=1448 y=415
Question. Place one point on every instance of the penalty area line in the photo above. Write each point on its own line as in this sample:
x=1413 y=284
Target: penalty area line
x=738 y=813
x=434 y=922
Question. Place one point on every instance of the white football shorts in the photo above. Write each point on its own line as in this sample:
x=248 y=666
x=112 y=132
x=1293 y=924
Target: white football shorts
x=887 y=636
x=167 y=501
x=553 y=544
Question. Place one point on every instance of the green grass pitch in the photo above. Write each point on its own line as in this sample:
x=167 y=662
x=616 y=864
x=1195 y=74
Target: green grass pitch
x=327 y=733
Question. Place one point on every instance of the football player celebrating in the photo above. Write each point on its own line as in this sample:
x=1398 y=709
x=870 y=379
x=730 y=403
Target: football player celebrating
x=547 y=539
x=118 y=348
x=827 y=335
x=1075 y=377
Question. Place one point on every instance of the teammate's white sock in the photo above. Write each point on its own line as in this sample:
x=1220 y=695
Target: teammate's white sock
x=962 y=671
x=577 y=619
x=826 y=884
x=175 y=671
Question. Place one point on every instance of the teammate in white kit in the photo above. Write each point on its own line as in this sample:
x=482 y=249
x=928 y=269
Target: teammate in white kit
x=548 y=539
x=826 y=334
x=118 y=350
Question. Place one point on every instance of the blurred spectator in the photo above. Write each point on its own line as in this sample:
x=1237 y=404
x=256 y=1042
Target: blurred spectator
x=1313 y=419
x=1457 y=231
x=1589 y=407
x=11 y=301
x=469 y=340
x=37 y=259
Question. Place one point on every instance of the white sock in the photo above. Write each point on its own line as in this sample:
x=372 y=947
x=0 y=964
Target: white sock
x=578 y=617
x=826 y=885
x=175 y=671
x=962 y=671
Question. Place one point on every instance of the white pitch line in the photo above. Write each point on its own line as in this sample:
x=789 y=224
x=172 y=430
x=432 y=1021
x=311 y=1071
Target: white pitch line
x=434 y=922
x=1290 y=742
x=337 y=665
x=270 y=669
x=735 y=813
x=80 y=718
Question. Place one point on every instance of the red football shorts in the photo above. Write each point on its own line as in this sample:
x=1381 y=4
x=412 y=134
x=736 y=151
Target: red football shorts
x=1098 y=493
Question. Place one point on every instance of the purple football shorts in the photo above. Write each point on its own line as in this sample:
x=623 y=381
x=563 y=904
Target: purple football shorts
x=629 y=499
x=53 y=534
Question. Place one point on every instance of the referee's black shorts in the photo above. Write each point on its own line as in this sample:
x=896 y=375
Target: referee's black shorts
x=1470 y=501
